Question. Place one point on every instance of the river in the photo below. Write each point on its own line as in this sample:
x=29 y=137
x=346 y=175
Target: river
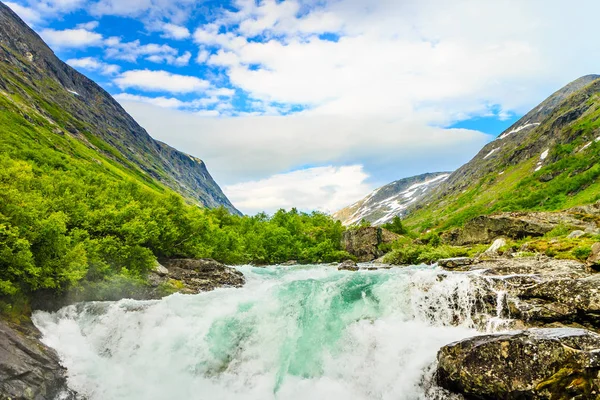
x=303 y=332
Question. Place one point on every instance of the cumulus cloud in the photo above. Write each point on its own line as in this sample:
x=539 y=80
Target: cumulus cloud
x=325 y=189
x=93 y=64
x=71 y=38
x=177 y=32
x=160 y=81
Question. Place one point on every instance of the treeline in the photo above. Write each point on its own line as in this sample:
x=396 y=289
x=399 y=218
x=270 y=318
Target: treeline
x=63 y=223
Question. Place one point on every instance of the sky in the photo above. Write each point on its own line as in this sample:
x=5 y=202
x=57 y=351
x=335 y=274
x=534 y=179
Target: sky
x=314 y=103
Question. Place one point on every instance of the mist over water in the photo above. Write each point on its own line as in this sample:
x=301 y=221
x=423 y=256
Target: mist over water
x=306 y=332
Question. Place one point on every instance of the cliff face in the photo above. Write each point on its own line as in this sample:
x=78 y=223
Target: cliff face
x=77 y=105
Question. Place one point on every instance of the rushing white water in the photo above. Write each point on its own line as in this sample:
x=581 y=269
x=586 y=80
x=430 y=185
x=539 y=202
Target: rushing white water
x=307 y=332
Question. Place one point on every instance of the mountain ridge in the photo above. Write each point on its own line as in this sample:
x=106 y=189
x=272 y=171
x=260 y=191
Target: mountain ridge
x=89 y=113
x=547 y=160
x=390 y=200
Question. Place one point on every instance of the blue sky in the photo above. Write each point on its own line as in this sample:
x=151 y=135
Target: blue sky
x=314 y=103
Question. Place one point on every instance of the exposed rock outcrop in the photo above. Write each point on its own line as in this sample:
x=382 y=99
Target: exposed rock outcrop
x=538 y=291
x=363 y=243
x=533 y=364
x=517 y=225
x=192 y=276
x=594 y=258
x=29 y=370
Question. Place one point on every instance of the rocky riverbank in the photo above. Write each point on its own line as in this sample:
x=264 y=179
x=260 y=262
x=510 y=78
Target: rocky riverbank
x=29 y=370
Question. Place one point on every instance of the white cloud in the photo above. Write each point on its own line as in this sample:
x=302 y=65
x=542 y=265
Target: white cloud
x=165 y=102
x=146 y=10
x=160 y=81
x=27 y=14
x=90 y=26
x=93 y=64
x=71 y=38
x=177 y=32
x=131 y=51
x=254 y=147
x=323 y=188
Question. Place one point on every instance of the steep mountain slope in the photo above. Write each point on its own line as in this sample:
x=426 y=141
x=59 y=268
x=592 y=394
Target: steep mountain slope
x=31 y=76
x=390 y=200
x=548 y=160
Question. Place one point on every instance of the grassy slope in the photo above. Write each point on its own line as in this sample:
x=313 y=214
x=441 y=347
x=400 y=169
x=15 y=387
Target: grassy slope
x=574 y=174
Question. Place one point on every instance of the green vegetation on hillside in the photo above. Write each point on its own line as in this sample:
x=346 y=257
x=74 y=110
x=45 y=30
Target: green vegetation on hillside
x=569 y=177
x=71 y=215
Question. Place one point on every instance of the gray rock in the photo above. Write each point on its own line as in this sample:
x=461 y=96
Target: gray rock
x=594 y=258
x=514 y=225
x=532 y=364
x=29 y=370
x=576 y=234
x=348 y=265
x=289 y=263
x=457 y=262
x=363 y=243
x=196 y=275
x=160 y=270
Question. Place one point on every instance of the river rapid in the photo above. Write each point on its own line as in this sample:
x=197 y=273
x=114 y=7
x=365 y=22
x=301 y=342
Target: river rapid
x=303 y=332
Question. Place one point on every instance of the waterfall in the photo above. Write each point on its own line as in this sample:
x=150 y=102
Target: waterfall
x=305 y=332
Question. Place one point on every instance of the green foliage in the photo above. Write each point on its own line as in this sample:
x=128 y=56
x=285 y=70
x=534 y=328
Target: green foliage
x=74 y=218
x=582 y=253
x=395 y=226
x=413 y=254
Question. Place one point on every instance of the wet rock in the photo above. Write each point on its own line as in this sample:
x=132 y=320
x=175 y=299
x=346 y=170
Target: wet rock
x=197 y=275
x=29 y=370
x=289 y=263
x=454 y=263
x=576 y=234
x=348 y=265
x=594 y=258
x=363 y=243
x=531 y=364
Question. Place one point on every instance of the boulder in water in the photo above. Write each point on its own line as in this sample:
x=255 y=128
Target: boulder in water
x=531 y=364
x=348 y=265
x=456 y=262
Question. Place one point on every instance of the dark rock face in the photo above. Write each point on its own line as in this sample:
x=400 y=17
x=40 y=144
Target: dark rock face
x=31 y=62
x=517 y=225
x=196 y=276
x=348 y=265
x=29 y=370
x=363 y=243
x=533 y=364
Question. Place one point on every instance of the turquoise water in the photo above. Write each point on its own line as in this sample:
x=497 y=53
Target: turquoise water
x=306 y=332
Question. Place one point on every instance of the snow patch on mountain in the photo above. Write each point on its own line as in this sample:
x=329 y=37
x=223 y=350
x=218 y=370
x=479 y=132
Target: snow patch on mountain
x=379 y=210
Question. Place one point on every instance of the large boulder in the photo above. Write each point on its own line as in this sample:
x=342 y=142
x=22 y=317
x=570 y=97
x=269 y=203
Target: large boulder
x=515 y=225
x=198 y=275
x=534 y=364
x=363 y=243
x=29 y=370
